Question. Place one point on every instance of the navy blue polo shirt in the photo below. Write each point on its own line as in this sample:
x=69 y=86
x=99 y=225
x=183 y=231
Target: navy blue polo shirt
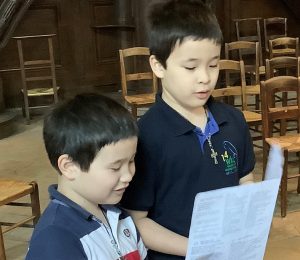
x=67 y=231
x=171 y=167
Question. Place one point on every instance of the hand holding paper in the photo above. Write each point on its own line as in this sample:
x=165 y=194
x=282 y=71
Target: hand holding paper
x=234 y=223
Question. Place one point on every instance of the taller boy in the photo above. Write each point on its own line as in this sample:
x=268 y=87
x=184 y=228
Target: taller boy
x=188 y=142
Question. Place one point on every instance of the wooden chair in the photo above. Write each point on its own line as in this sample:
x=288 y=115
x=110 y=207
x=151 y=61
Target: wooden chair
x=10 y=191
x=283 y=66
x=270 y=115
x=137 y=99
x=282 y=62
x=38 y=76
x=238 y=90
x=284 y=46
x=248 y=52
x=274 y=27
x=248 y=29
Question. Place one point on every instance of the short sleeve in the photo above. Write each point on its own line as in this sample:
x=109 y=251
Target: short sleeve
x=55 y=243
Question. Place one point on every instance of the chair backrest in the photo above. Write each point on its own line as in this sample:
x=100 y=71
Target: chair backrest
x=284 y=46
x=271 y=111
x=274 y=27
x=44 y=65
x=248 y=29
x=283 y=62
x=10 y=193
x=237 y=89
x=248 y=52
x=126 y=76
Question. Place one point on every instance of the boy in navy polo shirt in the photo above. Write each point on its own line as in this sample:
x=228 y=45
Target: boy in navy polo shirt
x=91 y=142
x=188 y=142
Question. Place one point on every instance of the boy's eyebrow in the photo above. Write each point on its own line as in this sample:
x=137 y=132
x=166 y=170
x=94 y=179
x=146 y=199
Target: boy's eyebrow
x=120 y=160
x=216 y=57
x=213 y=58
x=115 y=162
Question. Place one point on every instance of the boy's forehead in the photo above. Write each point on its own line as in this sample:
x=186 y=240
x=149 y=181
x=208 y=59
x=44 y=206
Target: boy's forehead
x=193 y=49
x=118 y=144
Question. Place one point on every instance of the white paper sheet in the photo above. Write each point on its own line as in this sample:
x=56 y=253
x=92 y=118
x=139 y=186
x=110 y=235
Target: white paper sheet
x=233 y=223
x=275 y=163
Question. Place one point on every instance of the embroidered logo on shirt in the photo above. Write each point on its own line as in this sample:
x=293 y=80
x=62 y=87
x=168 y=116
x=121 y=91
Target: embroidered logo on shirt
x=230 y=158
x=126 y=232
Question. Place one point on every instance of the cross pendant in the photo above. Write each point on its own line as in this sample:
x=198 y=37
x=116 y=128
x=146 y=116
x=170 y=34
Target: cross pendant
x=214 y=155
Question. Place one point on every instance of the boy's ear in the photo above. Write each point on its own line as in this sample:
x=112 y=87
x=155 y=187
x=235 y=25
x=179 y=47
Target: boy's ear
x=67 y=167
x=156 y=67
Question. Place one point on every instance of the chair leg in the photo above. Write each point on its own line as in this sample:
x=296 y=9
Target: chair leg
x=134 y=111
x=257 y=102
x=26 y=107
x=35 y=203
x=283 y=186
x=283 y=122
x=2 y=249
x=265 y=158
x=283 y=126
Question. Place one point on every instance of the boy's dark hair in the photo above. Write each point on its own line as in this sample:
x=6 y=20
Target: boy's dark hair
x=174 y=20
x=83 y=125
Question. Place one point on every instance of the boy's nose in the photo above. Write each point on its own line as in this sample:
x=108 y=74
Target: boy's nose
x=127 y=175
x=203 y=76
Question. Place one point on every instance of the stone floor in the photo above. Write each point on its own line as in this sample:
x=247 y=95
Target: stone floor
x=22 y=156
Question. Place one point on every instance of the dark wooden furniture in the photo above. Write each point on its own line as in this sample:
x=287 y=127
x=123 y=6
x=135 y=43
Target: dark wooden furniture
x=10 y=192
x=37 y=71
x=138 y=98
x=274 y=27
x=284 y=46
x=93 y=64
x=271 y=114
x=249 y=53
x=231 y=68
x=282 y=62
x=248 y=29
x=283 y=66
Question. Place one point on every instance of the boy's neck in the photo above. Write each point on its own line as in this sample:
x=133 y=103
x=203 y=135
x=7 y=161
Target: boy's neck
x=99 y=214
x=195 y=116
x=92 y=208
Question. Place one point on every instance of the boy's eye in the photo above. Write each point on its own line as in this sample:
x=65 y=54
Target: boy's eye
x=213 y=66
x=115 y=168
x=131 y=161
x=189 y=68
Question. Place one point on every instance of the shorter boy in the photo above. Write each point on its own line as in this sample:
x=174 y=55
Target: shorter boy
x=91 y=141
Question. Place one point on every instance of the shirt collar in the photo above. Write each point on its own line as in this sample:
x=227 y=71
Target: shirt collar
x=55 y=195
x=179 y=124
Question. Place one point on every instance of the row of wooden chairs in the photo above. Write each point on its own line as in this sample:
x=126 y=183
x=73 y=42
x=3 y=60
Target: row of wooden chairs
x=272 y=112
x=283 y=46
x=249 y=29
x=249 y=52
x=238 y=50
x=135 y=101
